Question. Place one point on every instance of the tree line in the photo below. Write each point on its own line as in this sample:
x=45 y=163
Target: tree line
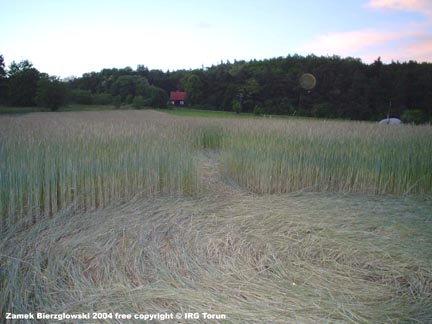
x=346 y=87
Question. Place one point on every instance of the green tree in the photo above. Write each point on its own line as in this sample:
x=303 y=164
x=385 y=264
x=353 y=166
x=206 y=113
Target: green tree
x=236 y=106
x=249 y=90
x=415 y=116
x=51 y=93
x=346 y=87
x=156 y=97
x=139 y=102
x=129 y=85
x=117 y=102
x=193 y=86
x=231 y=91
x=91 y=81
x=129 y=99
x=15 y=68
x=23 y=84
x=101 y=99
x=3 y=81
x=2 y=67
x=83 y=97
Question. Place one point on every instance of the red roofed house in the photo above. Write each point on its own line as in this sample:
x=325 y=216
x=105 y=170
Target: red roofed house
x=177 y=98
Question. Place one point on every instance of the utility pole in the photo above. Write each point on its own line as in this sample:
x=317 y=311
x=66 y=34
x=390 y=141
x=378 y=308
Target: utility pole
x=388 y=112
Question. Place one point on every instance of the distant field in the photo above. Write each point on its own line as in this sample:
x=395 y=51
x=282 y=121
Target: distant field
x=266 y=220
x=72 y=107
x=188 y=112
x=76 y=107
x=185 y=112
x=20 y=110
x=206 y=113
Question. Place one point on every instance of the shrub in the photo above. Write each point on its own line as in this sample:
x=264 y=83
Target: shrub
x=129 y=99
x=415 y=116
x=236 y=106
x=102 y=99
x=23 y=87
x=139 y=102
x=50 y=93
x=258 y=110
x=156 y=97
x=83 y=97
x=116 y=102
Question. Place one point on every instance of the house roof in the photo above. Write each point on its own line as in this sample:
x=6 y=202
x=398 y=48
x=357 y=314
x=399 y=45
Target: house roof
x=177 y=95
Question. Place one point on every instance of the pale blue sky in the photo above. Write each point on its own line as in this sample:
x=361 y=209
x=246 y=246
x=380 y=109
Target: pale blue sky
x=66 y=38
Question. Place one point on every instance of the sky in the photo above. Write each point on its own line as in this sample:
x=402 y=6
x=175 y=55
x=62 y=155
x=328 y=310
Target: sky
x=71 y=37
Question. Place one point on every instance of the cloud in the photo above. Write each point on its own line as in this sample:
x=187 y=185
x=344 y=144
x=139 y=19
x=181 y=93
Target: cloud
x=420 y=51
x=409 y=41
x=203 y=25
x=421 y=6
x=348 y=42
x=404 y=44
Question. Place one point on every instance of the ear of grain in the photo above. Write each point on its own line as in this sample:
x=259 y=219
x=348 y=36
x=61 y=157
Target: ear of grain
x=89 y=160
x=49 y=163
x=331 y=156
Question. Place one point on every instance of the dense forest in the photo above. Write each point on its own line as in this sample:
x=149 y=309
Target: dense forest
x=345 y=88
